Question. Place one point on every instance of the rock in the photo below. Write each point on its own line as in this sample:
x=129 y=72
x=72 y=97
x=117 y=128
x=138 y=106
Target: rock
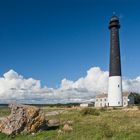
x=23 y=118
x=53 y=113
x=67 y=128
x=59 y=131
x=69 y=122
x=53 y=122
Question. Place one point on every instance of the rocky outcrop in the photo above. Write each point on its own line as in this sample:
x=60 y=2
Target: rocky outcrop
x=23 y=118
x=53 y=122
x=67 y=128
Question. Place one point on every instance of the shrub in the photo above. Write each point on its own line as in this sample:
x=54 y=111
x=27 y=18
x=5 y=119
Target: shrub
x=130 y=106
x=108 y=133
x=139 y=106
x=90 y=111
x=106 y=130
x=103 y=109
x=116 y=108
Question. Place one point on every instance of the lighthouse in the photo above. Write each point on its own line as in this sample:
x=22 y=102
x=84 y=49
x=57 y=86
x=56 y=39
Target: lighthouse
x=115 y=79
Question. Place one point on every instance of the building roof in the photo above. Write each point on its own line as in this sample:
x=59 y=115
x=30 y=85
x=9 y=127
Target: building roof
x=101 y=95
x=126 y=94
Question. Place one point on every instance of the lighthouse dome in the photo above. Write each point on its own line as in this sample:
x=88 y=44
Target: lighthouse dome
x=114 y=18
x=114 y=22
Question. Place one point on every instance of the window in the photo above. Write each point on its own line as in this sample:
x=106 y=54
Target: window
x=100 y=99
x=125 y=99
x=118 y=85
x=101 y=104
x=105 y=99
x=118 y=102
x=96 y=99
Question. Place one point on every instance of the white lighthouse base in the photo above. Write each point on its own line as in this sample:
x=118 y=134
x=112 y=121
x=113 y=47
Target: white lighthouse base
x=115 y=91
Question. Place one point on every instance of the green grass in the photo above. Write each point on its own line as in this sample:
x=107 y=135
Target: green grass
x=108 y=125
x=4 y=111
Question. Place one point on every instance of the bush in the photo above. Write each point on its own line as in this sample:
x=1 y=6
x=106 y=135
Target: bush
x=106 y=130
x=90 y=111
x=103 y=109
x=116 y=108
x=139 y=106
x=107 y=133
x=136 y=97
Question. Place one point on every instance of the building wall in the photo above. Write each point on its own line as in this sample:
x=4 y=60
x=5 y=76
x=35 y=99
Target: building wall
x=86 y=105
x=102 y=102
x=125 y=101
x=83 y=105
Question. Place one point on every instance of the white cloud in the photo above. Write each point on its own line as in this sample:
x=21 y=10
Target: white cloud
x=95 y=80
x=132 y=85
x=14 y=87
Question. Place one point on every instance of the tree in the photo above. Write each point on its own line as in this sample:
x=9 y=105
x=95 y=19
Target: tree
x=136 y=97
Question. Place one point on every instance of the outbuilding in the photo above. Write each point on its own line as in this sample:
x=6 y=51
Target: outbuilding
x=86 y=105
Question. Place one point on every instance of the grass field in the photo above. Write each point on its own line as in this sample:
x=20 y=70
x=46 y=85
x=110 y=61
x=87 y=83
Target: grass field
x=113 y=124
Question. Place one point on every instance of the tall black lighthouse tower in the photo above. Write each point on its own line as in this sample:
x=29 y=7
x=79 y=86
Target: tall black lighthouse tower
x=115 y=79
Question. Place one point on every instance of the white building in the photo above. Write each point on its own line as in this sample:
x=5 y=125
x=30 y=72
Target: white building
x=86 y=105
x=102 y=100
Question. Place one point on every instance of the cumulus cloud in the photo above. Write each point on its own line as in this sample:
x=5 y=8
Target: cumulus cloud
x=14 y=87
x=95 y=80
x=132 y=85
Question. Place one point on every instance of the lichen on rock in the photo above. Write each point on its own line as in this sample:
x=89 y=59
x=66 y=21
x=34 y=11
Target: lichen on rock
x=23 y=118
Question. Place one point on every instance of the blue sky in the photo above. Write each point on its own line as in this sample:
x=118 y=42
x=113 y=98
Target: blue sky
x=50 y=40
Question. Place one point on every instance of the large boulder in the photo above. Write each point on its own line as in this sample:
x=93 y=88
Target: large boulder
x=23 y=118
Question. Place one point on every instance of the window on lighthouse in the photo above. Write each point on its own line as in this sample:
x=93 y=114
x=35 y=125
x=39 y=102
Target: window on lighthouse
x=118 y=86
